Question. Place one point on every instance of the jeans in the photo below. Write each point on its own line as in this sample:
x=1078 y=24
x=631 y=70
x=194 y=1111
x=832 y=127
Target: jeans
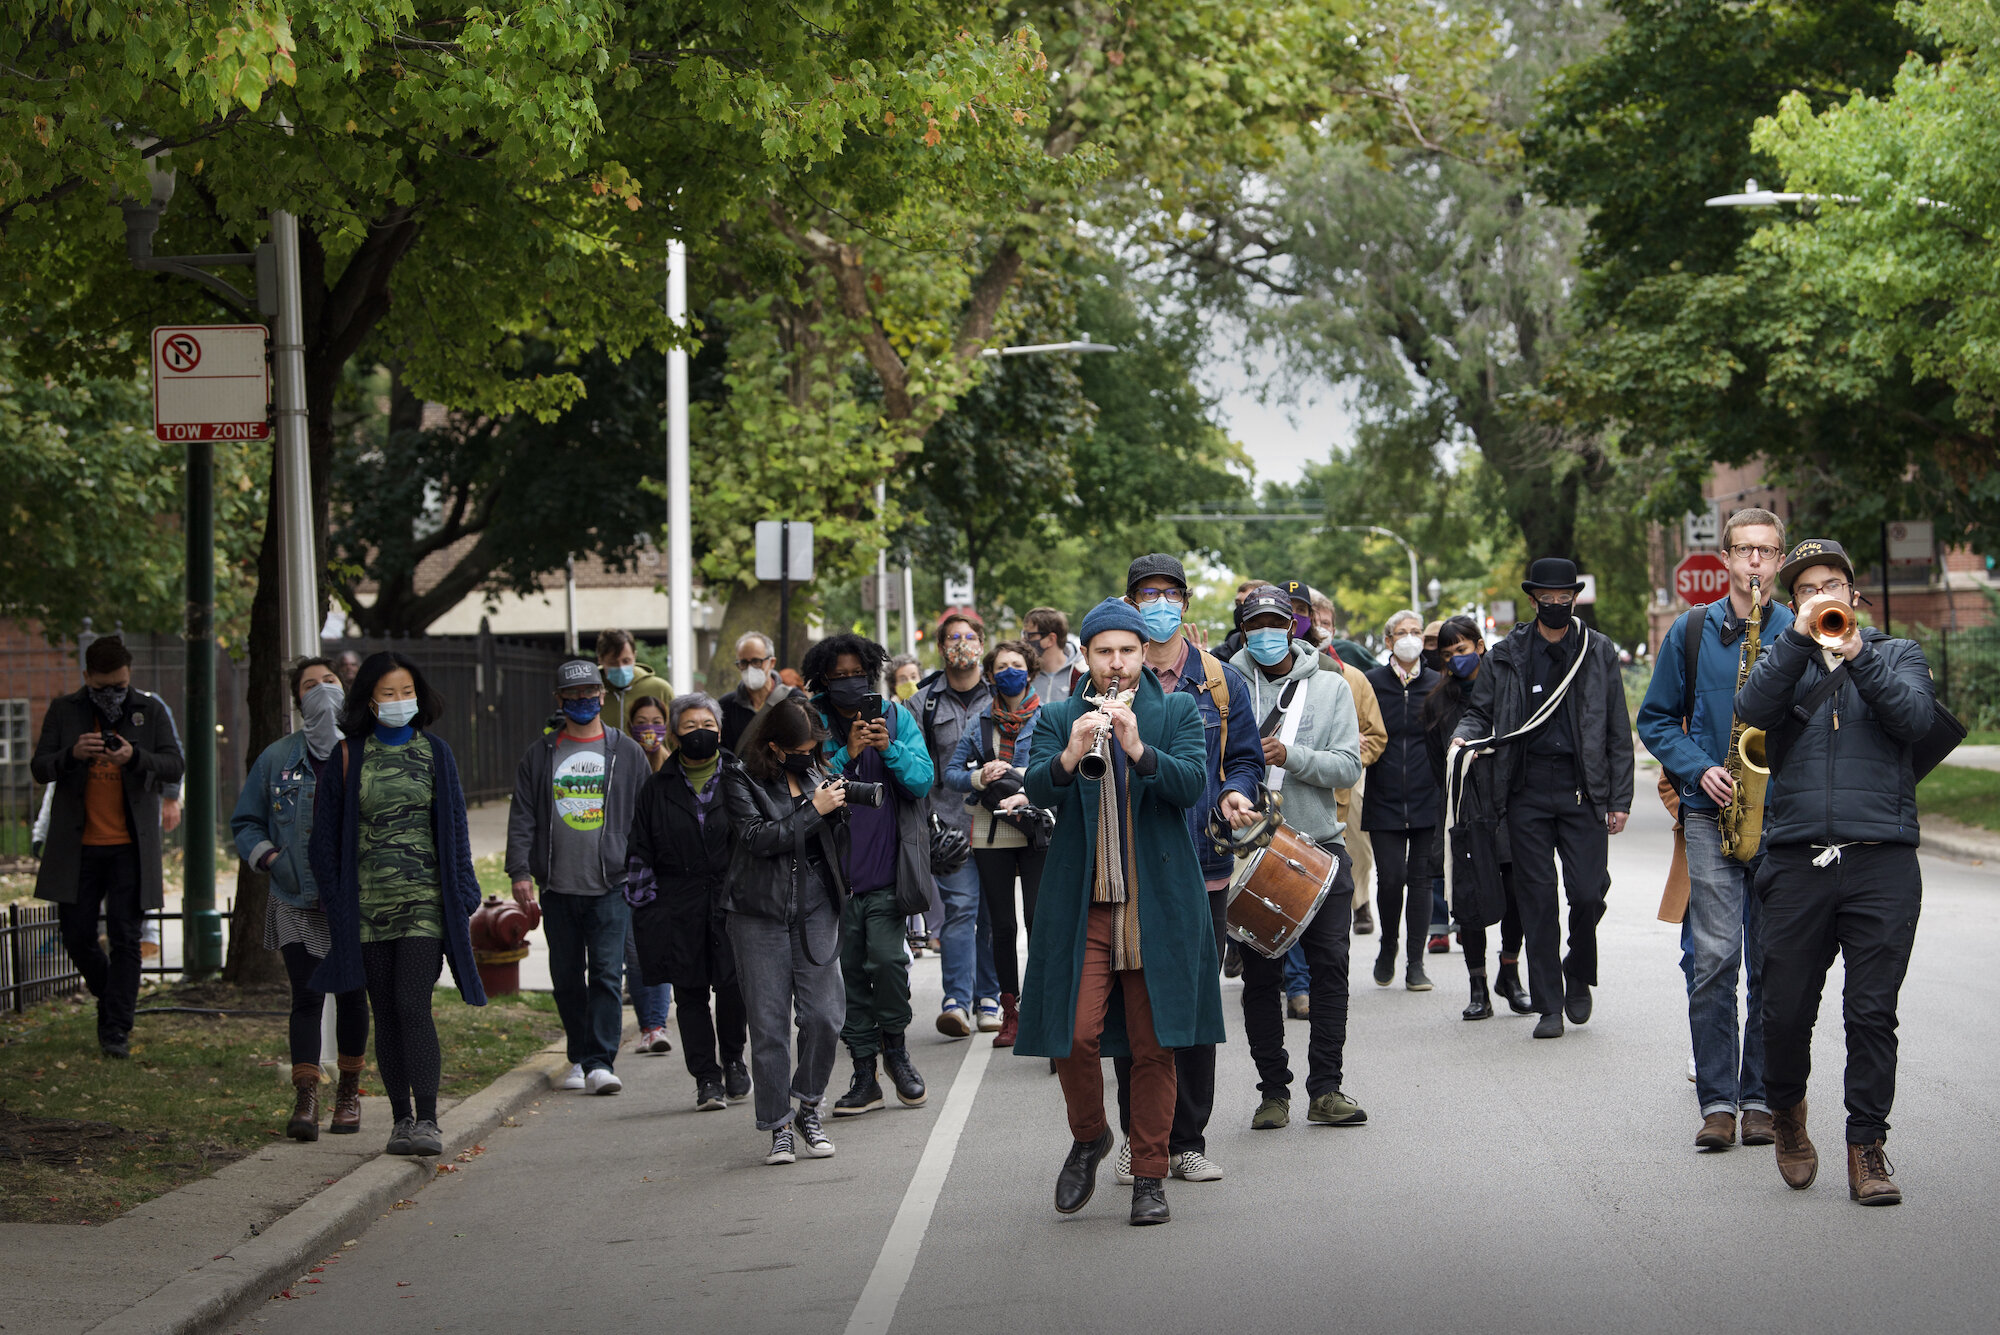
x=648 y=1003
x=1082 y=1072
x=1863 y=907
x=1325 y=941
x=1298 y=974
x=788 y=969
x=1723 y=931
x=1440 y=911
x=1194 y=1070
x=1545 y=820
x=960 y=937
x=107 y=877
x=875 y=967
x=586 y=936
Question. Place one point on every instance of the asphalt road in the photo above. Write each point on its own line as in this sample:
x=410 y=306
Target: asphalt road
x=1501 y=1184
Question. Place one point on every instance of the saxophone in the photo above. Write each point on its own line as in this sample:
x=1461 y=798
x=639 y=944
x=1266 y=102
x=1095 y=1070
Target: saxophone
x=1741 y=823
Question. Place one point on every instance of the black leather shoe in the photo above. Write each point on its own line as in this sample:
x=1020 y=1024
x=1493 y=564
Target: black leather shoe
x=1232 y=959
x=1149 y=1202
x=864 y=1094
x=1481 y=1007
x=1577 y=1006
x=1508 y=984
x=1549 y=1026
x=114 y=1044
x=1385 y=964
x=1078 y=1178
x=903 y=1075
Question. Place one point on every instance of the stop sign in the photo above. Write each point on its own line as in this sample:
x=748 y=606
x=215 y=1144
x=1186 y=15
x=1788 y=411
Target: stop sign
x=1700 y=578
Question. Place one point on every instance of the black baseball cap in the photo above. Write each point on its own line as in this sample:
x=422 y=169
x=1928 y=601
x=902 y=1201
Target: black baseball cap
x=1296 y=591
x=1814 y=552
x=1155 y=563
x=1264 y=600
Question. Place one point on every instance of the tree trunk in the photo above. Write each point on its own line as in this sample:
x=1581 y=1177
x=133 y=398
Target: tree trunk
x=248 y=961
x=756 y=608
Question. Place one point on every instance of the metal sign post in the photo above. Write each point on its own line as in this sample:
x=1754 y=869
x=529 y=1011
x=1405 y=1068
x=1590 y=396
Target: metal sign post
x=784 y=554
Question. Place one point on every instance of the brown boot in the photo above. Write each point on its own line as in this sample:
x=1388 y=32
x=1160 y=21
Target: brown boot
x=1718 y=1132
x=305 y=1112
x=347 y=1101
x=1798 y=1161
x=1868 y=1174
x=1757 y=1127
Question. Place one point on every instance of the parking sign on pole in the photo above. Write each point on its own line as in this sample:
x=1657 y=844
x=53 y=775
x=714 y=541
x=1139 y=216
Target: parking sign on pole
x=210 y=382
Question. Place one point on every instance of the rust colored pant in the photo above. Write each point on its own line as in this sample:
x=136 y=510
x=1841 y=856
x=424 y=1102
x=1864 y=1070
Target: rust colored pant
x=1082 y=1072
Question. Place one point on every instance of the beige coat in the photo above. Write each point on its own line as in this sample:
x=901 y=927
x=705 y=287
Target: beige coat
x=1374 y=739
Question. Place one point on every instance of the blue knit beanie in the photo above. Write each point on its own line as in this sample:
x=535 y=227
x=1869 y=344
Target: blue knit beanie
x=1112 y=614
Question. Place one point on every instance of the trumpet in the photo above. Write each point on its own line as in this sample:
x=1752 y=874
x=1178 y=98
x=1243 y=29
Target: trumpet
x=1096 y=762
x=1831 y=624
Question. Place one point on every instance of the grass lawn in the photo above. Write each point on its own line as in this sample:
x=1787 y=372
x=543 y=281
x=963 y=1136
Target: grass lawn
x=1970 y=796
x=83 y=1138
x=1978 y=738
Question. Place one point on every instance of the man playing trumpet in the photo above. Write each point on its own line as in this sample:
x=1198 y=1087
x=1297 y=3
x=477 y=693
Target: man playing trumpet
x=1122 y=958
x=1840 y=858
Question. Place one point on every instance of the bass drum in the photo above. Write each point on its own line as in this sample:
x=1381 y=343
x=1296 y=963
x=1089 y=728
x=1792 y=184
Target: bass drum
x=1277 y=890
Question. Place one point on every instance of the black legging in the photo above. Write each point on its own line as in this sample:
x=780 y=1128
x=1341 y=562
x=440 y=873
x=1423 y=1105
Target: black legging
x=350 y=1011
x=1403 y=861
x=1473 y=939
x=401 y=974
x=997 y=869
x=710 y=1042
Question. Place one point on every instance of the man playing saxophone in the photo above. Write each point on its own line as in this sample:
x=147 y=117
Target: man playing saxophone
x=1690 y=728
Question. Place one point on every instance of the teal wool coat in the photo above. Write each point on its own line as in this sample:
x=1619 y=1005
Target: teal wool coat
x=1176 y=933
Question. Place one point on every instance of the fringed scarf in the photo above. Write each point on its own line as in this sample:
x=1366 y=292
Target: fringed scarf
x=1008 y=723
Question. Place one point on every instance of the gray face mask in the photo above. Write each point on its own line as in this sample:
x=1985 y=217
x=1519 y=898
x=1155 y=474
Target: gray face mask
x=321 y=710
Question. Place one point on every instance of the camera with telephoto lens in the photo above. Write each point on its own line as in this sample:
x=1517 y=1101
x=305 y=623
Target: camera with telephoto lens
x=860 y=794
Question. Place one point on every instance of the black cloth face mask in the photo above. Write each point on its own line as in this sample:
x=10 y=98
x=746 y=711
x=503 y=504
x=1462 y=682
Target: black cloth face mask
x=1553 y=615
x=700 y=745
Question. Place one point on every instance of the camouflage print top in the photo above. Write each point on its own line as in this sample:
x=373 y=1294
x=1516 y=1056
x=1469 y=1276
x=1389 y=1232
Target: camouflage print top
x=400 y=889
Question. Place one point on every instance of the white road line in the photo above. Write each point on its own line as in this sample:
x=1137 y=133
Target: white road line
x=877 y=1305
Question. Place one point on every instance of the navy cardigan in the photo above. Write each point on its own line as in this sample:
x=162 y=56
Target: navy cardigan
x=336 y=863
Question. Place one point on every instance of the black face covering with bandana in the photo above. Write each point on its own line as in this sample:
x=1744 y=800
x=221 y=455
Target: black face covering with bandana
x=109 y=700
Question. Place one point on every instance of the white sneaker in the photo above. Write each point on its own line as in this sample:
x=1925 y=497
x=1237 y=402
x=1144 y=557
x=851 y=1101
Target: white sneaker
x=988 y=1011
x=1123 y=1166
x=1193 y=1166
x=602 y=1081
x=574 y=1080
x=953 y=1022
x=655 y=1040
x=1690 y=1070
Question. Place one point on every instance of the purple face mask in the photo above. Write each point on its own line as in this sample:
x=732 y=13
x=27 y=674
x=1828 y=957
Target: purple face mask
x=1302 y=624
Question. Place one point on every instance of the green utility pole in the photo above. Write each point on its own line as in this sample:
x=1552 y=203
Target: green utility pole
x=201 y=925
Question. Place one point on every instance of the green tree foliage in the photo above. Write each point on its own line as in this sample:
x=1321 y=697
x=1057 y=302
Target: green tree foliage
x=1701 y=346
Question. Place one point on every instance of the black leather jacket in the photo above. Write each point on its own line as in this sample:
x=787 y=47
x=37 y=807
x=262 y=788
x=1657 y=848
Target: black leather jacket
x=1599 y=721
x=1851 y=782
x=770 y=828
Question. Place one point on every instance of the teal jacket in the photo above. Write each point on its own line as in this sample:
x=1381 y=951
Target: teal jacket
x=1177 y=934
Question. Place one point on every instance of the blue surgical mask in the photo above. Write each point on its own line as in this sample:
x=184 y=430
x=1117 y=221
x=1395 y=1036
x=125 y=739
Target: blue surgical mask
x=1269 y=646
x=395 y=713
x=1464 y=665
x=1162 y=619
x=1011 y=681
x=582 y=711
x=620 y=677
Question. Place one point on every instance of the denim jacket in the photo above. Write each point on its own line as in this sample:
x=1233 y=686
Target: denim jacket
x=274 y=810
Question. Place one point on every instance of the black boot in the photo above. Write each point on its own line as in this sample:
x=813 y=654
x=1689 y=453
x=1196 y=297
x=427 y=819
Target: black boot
x=902 y=1071
x=864 y=1095
x=1078 y=1178
x=1149 y=1201
x=1508 y=984
x=1482 y=1001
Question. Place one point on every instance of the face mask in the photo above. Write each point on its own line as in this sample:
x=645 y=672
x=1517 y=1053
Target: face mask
x=650 y=736
x=905 y=689
x=1269 y=646
x=1302 y=624
x=1553 y=615
x=755 y=679
x=962 y=653
x=847 y=693
x=701 y=744
x=1161 y=620
x=395 y=713
x=799 y=764
x=110 y=700
x=1409 y=648
x=1434 y=660
x=1464 y=665
x=620 y=677
x=321 y=711
x=582 y=711
x=1011 y=681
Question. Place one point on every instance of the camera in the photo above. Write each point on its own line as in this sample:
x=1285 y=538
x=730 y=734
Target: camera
x=861 y=794
x=110 y=739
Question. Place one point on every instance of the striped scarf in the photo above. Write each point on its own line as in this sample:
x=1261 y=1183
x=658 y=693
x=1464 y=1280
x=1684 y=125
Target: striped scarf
x=1116 y=881
x=1007 y=724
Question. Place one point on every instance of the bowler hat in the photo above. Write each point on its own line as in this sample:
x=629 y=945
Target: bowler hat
x=1814 y=552
x=1552 y=572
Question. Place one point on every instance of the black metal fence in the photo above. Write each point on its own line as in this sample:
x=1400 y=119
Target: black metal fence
x=1965 y=664
x=35 y=968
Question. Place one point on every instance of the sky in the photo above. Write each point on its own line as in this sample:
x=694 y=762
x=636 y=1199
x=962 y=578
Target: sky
x=1295 y=428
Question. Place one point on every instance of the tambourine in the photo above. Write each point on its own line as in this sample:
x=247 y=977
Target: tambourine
x=1242 y=843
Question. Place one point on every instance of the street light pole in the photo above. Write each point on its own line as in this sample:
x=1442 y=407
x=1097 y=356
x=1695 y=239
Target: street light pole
x=1416 y=597
x=299 y=571
x=882 y=572
x=680 y=542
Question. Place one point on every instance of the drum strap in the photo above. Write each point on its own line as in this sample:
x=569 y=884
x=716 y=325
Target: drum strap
x=1289 y=712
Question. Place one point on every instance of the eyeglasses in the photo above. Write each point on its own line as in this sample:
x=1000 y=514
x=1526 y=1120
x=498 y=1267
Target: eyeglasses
x=1178 y=597
x=1747 y=550
x=962 y=637
x=1833 y=588
x=745 y=664
x=1554 y=599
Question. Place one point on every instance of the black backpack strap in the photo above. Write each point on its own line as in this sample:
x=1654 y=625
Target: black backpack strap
x=1783 y=737
x=1693 y=626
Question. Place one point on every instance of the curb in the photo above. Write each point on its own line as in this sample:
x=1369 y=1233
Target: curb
x=257 y=1267
x=1964 y=842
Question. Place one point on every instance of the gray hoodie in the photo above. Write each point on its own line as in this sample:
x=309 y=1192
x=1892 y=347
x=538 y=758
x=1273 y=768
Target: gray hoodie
x=1326 y=754
x=626 y=771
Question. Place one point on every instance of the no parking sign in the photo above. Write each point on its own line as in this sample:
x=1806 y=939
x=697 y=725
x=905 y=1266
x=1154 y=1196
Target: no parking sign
x=211 y=382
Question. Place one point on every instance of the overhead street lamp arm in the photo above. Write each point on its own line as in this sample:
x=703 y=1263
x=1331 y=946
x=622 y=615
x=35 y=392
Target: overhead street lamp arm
x=1259 y=516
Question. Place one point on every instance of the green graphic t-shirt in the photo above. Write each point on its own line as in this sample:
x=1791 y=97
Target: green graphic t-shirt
x=400 y=889
x=575 y=866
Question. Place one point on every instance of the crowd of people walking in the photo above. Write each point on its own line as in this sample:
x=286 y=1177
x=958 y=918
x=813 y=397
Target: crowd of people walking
x=767 y=865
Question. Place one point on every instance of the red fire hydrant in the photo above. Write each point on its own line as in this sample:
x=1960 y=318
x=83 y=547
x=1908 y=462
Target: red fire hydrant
x=500 y=930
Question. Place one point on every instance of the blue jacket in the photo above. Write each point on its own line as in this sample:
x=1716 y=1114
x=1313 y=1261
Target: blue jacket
x=1240 y=771
x=1687 y=756
x=970 y=753
x=275 y=810
x=336 y=866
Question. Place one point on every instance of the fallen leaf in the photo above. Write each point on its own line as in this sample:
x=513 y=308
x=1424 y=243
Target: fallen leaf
x=402 y=1283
